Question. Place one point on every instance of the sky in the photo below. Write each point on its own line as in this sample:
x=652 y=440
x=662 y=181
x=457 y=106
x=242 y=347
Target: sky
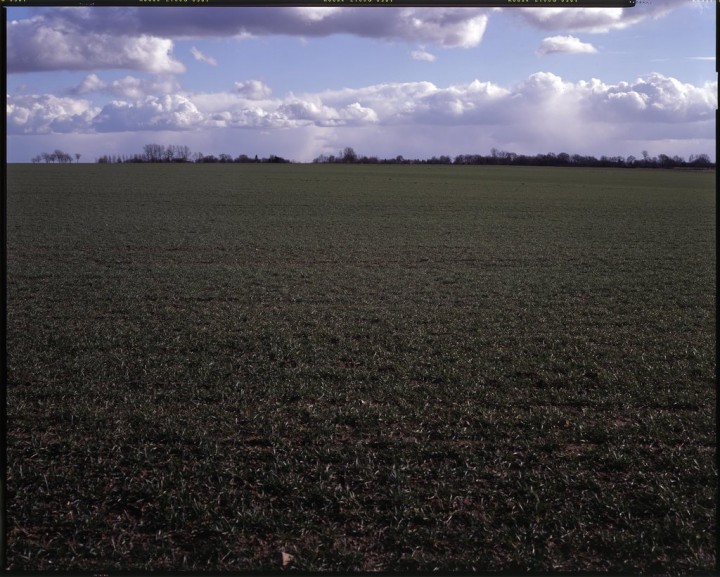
x=299 y=82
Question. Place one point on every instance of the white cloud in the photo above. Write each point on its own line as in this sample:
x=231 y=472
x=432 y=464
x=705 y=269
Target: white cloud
x=572 y=19
x=653 y=99
x=595 y=20
x=85 y=38
x=135 y=38
x=443 y=26
x=127 y=87
x=452 y=27
x=33 y=46
x=317 y=13
x=564 y=44
x=542 y=113
x=45 y=114
x=542 y=86
x=200 y=57
x=253 y=89
x=91 y=83
x=40 y=44
x=423 y=55
x=169 y=112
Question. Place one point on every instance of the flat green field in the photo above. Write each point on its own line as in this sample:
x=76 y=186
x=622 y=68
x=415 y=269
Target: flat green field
x=322 y=367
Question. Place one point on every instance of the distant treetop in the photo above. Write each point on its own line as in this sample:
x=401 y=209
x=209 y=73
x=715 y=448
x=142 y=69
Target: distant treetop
x=182 y=154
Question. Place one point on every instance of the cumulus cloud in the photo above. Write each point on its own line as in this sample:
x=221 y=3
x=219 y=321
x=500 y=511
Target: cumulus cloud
x=443 y=26
x=200 y=57
x=450 y=27
x=595 y=20
x=304 y=112
x=564 y=44
x=542 y=100
x=91 y=83
x=542 y=113
x=127 y=87
x=423 y=55
x=169 y=112
x=253 y=89
x=45 y=114
x=135 y=38
x=652 y=98
x=38 y=45
x=83 y=38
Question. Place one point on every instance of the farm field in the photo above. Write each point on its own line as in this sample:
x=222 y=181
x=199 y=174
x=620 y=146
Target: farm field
x=355 y=368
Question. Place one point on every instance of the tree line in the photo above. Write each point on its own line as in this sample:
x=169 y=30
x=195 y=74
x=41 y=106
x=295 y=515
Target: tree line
x=181 y=153
x=155 y=153
x=56 y=156
x=502 y=157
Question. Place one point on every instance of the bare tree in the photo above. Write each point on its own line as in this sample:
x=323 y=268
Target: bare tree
x=349 y=155
x=153 y=152
x=700 y=160
x=77 y=157
x=182 y=153
x=169 y=153
x=62 y=157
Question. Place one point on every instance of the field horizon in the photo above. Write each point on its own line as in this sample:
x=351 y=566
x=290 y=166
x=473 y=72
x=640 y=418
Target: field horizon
x=357 y=368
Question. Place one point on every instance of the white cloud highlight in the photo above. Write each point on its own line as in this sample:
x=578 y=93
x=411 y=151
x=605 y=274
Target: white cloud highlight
x=594 y=20
x=423 y=55
x=200 y=57
x=91 y=83
x=45 y=114
x=564 y=44
x=41 y=45
x=170 y=112
x=317 y=13
x=542 y=113
x=253 y=89
x=83 y=38
x=652 y=98
x=127 y=87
